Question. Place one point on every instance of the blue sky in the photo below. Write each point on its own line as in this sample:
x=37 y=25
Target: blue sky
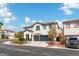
x=18 y=15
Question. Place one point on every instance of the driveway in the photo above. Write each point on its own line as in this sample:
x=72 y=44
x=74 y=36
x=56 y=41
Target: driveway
x=8 y=50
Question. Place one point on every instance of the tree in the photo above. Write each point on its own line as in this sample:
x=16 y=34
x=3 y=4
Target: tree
x=19 y=35
x=1 y=24
x=52 y=33
x=62 y=37
x=3 y=36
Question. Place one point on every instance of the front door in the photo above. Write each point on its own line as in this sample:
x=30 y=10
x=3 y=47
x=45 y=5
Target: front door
x=27 y=37
x=57 y=39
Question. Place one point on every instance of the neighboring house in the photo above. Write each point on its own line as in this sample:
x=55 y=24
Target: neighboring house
x=9 y=33
x=1 y=32
x=71 y=28
x=39 y=31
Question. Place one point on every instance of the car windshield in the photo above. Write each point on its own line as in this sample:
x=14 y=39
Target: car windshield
x=73 y=41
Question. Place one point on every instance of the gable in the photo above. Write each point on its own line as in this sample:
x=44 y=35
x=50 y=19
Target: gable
x=41 y=24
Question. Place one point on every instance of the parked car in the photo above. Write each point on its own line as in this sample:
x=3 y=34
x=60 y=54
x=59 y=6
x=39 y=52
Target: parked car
x=73 y=43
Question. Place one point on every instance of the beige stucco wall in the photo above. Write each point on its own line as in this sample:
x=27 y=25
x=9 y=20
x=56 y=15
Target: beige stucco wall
x=11 y=37
x=43 y=31
x=71 y=30
x=27 y=32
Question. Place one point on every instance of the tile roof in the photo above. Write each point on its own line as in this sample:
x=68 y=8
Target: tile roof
x=69 y=21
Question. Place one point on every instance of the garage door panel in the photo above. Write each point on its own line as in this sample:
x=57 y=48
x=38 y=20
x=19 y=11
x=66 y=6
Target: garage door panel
x=44 y=38
x=36 y=38
x=41 y=38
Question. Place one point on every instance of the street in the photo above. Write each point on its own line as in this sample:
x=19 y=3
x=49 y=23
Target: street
x=8 y=50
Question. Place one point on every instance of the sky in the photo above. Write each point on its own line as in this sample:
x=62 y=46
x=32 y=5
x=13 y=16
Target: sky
x=15 y=16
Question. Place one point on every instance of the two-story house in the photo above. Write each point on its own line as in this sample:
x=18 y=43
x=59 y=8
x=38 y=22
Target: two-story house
x=39 y=31
x=71 y=28
x=10 y=34
x=7 y=33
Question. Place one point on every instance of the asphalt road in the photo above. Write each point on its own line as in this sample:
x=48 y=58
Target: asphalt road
x=8 y=50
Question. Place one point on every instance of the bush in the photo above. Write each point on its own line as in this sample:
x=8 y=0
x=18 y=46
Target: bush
x=21 y=39
x=4 y=36
x=63 y=41
x=17 y=41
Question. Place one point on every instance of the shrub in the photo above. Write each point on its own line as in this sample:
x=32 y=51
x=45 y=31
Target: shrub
x=17 y=41
x=21 y=39
x=19 y=35
x=63 y=41
x=4 y=36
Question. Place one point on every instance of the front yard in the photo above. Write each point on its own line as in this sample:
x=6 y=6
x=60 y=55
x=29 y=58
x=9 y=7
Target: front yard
x=36 y=43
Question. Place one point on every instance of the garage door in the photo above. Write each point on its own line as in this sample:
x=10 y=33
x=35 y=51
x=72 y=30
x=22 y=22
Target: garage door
x=44 y=38
x=41 y=38
x=36 y=38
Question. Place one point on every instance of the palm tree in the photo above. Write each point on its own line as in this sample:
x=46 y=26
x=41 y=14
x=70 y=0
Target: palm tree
x=52 y=33
x=1 y=24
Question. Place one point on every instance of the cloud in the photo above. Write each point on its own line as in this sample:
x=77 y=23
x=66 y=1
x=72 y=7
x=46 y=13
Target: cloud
x=28 y=20
x=9 y=27
x=40 y=21
x=6 y=14
x=9 y=19
x=33 y=21
x=46 y=17
x=66 y=8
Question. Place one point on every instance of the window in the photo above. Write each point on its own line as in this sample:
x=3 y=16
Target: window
x=37 y=28
x=73 y=40
x=67 y=25
x=44 y=27
x=76 y=25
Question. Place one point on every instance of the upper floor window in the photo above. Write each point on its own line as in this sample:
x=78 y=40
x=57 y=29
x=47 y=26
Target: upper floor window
x=44 y=27
x=67 y=25
x=76 y=25
x=37 y=28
